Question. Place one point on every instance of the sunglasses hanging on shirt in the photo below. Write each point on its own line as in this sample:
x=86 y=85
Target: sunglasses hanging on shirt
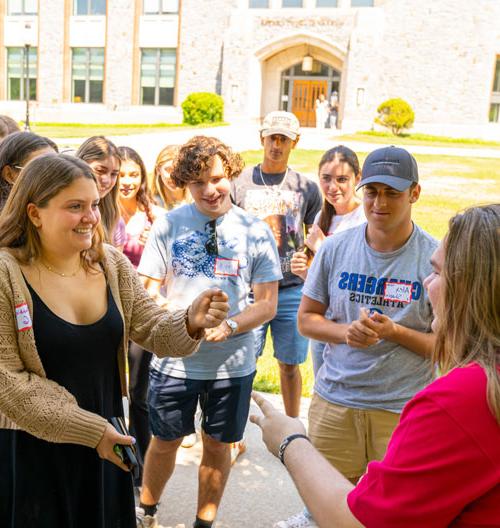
x=211 y=244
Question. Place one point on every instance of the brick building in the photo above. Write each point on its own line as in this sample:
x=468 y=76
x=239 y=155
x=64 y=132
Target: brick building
x=136 y=60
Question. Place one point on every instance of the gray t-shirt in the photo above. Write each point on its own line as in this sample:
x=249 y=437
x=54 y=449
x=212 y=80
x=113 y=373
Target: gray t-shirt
x=285 y=204
x=346 y=275
x=176 y=251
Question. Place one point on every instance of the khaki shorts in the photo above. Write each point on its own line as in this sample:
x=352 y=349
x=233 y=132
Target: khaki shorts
x=349 y=438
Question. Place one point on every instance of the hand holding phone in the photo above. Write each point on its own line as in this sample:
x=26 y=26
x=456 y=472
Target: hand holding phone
x=127 y=453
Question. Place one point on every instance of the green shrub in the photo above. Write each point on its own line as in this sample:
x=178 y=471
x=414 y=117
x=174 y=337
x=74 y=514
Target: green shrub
x=395 y=114
x=202 y=107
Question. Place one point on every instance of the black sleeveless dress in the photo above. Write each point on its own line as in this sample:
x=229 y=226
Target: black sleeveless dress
x=44 y=484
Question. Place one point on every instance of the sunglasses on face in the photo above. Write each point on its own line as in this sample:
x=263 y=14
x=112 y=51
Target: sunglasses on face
x=211 y=244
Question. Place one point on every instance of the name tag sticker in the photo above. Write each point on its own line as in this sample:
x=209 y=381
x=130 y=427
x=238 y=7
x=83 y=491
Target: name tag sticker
x=398 y=291
x=226 y=267
x=23 y=317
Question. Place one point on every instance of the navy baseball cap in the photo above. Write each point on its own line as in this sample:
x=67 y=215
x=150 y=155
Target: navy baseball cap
x=392 y=166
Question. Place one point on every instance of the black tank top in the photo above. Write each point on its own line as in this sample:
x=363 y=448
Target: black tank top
x=82 y=358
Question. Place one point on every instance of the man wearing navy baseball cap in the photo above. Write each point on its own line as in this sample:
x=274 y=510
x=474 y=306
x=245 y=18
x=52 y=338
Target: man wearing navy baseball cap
x=369 y=282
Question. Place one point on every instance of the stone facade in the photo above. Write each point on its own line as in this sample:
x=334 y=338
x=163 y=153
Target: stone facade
x=439 y=55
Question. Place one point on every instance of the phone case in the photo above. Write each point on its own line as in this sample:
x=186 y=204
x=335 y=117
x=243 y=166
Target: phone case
x=127 y=453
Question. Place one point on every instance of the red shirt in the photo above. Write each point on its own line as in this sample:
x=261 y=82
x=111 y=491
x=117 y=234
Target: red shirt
x=442 y=466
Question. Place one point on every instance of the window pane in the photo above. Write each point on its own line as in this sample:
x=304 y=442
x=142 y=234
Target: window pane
x=496 y=82
x=151 y=7
x=78 y=91
x=326 y=3
x=258 y=3
x=362 y=3
x=14 y=89
x=148 y=96
x=495 y=113
x=81 y=7
x=30 y=7
x=97 y=7
x=15 y=7
x=166 y=96
x=95 y=89
x=292 y=3
x=170 y=6
x=32 y=89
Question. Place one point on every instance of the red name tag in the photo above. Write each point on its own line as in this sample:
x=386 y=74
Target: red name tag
x=398 y=291
x=226 y=267
x=23 y=317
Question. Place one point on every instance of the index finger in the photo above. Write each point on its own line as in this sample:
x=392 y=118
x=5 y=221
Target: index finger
x=265 y=406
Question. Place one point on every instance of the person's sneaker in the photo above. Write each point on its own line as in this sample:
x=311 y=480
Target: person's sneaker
x=299 y=520
x=189 y=440
x=237 y=449
x=146 y=521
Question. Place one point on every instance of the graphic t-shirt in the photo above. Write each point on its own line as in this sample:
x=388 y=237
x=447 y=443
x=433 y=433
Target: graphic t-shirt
x=442 y=466
x=192 y=255
x=346 y=275
x=286 y=202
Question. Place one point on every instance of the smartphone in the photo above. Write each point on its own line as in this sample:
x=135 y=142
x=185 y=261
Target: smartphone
x=127 y=453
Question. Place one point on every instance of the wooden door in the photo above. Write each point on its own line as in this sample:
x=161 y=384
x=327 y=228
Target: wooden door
x=304 y=96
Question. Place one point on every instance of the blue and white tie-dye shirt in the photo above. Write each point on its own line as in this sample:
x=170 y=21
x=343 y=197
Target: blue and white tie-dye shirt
x=178 y=251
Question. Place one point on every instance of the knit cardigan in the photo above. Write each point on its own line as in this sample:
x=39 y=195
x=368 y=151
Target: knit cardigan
x=31 y=402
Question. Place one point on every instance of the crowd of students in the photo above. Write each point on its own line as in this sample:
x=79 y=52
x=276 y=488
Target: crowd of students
x=101 y=269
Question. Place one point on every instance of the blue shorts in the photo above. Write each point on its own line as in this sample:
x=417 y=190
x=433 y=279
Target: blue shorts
x=224 y=403
x=289 y=346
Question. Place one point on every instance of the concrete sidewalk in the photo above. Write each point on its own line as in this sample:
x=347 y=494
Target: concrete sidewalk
x=259 y=491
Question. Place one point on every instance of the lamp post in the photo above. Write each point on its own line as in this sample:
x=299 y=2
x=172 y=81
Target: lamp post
x=27 y=46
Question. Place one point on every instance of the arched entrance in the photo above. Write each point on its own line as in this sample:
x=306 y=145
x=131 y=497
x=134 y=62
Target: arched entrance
x=277 y=71
x=300 y=89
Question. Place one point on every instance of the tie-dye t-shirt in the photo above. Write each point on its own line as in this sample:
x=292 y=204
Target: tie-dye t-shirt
x=184 y=250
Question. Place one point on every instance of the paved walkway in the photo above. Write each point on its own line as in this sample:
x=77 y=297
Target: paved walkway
x=246 y=137
x=259 y=491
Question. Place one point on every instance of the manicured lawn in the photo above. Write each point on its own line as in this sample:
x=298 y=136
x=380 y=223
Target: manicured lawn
x=69 y=130
x=418 y=139
x=449 y=184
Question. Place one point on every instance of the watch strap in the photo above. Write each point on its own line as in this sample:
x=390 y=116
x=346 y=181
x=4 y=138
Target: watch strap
x=286 y=442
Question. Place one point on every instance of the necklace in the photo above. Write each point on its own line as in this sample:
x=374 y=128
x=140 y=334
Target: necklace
x=52 y=270
x=273 y=188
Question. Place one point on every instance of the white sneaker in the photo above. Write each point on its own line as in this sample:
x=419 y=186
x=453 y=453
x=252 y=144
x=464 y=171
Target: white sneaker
x=146 y=521
x=189 y=440
x=299 y=520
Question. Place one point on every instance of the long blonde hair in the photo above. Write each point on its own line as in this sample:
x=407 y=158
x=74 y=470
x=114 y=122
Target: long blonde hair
x=168 y=153
x=41 y=180
x=469 y=309
x=98 y=148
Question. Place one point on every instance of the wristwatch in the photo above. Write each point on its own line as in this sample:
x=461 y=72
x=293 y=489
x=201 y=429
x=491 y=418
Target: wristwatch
x=233 y=325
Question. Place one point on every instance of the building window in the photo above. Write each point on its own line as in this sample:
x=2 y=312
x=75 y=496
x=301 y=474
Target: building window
x=258 y=4
x=160 y=7
x=292 y=3
x=157 y=76
x=362 y=3
x=495 y=97
x=326 y=3
x=87 y=75
x=90 y=7
x=16 y=73
x=22 y=7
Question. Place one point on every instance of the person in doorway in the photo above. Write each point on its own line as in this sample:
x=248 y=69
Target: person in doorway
x=442 y=466
x=209 y=242
x=321 y=107
x=274 y=192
